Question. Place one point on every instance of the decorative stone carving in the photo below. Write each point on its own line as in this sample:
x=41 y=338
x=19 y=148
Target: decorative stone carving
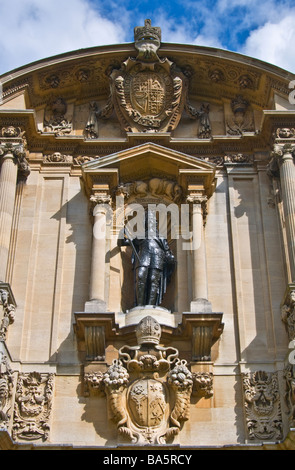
x=203 y=384
x=93 y=383
x=262 y=405
x=203 y=115
x=148 y=388
x=245 y=82
x=284 y=133
x=55 y=119
x=147 y=93
x=147 y=41
x=288 y=313
x=33 y=403
x=238 y=158
x=57 y=157
x=13 y=144
x=216 y=75
x=242 y=119
x=289 y=376
x=53 y=81
x=155 y=187
x=290 y=392
x=6 y=385
x=8 y=304
x=81 y=159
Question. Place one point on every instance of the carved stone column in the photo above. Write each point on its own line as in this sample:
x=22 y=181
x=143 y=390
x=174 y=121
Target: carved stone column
x=97 y=301
x=12 y=157
x=200 y=301
x=283 y=165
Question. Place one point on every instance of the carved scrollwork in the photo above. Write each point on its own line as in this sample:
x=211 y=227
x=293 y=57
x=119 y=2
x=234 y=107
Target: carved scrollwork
x=33 y=403
x=6 y=385
x=262 y=405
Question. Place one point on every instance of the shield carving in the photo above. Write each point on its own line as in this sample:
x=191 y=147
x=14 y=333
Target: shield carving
x=147 y=401
x=147 y=99
x=148 y=93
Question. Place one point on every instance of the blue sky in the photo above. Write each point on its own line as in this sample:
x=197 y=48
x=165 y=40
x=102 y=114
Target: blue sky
x=36 y=29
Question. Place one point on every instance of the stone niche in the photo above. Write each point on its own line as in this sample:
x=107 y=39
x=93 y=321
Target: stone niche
x=140 y=177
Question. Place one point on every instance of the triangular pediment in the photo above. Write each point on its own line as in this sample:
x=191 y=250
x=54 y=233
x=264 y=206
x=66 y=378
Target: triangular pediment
x=146 y=154
x=147 y=161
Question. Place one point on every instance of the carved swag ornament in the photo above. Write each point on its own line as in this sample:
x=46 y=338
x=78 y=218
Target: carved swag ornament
x=148 y=93
x=148 y=388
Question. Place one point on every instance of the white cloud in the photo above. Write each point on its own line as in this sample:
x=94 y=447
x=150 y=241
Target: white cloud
x=274 y=42
x=34 y=29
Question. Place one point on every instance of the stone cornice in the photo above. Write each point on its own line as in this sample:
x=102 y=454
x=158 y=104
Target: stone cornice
x=77 y=145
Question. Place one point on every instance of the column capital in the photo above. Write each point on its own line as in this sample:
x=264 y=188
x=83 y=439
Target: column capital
x=13 y=146
x=197 y=198
x=100 y=199
x=283 y=150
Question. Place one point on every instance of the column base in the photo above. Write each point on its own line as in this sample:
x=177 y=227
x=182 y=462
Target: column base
x=95 y=306
x=201 y=306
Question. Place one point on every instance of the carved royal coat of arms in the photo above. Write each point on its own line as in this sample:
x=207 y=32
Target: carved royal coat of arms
x=148 y=93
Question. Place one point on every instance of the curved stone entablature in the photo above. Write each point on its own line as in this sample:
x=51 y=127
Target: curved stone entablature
x=174 y=92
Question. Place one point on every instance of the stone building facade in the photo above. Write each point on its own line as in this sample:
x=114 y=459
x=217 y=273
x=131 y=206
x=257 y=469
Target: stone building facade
x=89 y=139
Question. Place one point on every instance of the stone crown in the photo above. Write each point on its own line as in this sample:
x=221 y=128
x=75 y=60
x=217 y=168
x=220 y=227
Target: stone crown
x=147 y=32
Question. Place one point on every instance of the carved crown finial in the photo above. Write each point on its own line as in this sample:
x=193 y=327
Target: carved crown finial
x=239 y=105
x=148 y=331
x=147 y=32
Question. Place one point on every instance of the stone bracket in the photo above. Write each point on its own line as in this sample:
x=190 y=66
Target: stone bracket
x=93 y=330
x=204 y=329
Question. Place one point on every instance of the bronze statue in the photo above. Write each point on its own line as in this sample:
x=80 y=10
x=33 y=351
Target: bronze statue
x=153 y=263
